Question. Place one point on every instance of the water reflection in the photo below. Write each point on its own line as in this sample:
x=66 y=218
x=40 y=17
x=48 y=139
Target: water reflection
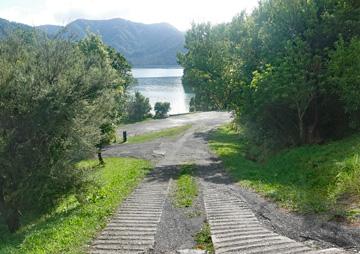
x=163 y=85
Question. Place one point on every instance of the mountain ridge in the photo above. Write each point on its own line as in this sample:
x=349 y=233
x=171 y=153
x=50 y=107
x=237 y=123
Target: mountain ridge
x=143 y=45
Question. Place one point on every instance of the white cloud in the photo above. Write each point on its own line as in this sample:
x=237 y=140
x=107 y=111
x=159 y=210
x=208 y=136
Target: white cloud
x=177 y=13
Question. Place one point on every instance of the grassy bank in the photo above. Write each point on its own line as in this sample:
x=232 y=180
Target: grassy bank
x=186 y=187
x=72 y=225
x=166 y=133
x=309 y=179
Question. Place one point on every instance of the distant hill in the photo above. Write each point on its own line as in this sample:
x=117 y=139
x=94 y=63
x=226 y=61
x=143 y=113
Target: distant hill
x=6 y=27
x=51 y=30
x=141 y=44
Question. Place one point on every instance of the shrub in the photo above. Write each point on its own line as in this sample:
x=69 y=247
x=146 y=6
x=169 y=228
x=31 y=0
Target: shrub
x=192 y=106
x=348 y=180
x=285 y=88
x=55 y=95
x=138 y=108
x=161 y=109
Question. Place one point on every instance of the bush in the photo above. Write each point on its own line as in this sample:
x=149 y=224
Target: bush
x=138 y=108
x=192 y=106
x=348 y=180
x=285 y=88
x=55 y=96
x=161 y=109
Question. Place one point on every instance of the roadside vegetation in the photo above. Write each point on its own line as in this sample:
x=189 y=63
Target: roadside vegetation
x=186 y=187
x=166 y=133
x=59 y=104
x=137 y=108
x=309 y=179
x=161 y=109
x=203 y=239
x=289 y=71
x=71 y=225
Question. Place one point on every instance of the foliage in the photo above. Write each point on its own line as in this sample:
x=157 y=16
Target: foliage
x=205 y=67
x=311 y=178
x=108 y=134
x=55 y=96
x=166 y=133
x=186 y=187
x=347 y=186
x=111 y=63
x=138 y=108
x=203 y=239
x=344 y=69
x=192 y=106
x=71 y=225
x=289 y=70
x=161 y=109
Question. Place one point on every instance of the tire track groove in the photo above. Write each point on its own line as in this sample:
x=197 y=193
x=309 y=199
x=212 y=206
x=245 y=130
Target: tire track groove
x=133 y=227
x=235 y=228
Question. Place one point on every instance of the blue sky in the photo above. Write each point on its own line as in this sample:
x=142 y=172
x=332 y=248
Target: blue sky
x=178 y=13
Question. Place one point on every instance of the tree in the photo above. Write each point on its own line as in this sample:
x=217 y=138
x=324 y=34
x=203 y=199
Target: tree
x=206 y=67
x=161 y=109
x=344 y=75
x=55 y=95
x=113 y=69
x=138 y=108
x=285 y=70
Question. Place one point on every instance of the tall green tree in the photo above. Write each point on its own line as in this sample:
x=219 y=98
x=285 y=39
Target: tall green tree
x=281 y=69
x=206 y=67
x=54 y=97
x=344 y=76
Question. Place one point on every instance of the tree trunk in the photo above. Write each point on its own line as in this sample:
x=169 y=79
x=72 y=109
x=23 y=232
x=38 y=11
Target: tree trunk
x=13 y=219
x=101 y=160
x=301 y=124
x=301 y=131
x=2 y=198
x=313 y=135
x=10 y=214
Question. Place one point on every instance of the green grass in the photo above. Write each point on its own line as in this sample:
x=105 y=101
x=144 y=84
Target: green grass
x=203 y=239
x=308 y=179
x=72 y=225
x=170 y=132
x=186 y=187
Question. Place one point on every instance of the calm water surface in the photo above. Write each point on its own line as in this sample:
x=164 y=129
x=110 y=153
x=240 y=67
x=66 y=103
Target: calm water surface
x=163 y=85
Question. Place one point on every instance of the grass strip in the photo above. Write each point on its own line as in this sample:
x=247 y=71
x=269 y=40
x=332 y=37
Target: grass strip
x=203 y=239
x=166 y=133
x=186 y=187
x=72 y=225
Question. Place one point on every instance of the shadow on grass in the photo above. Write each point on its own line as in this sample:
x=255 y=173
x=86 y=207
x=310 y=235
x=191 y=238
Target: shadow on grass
x=30 y=223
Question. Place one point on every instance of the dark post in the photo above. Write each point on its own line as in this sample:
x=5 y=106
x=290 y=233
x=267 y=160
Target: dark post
x=124 y=136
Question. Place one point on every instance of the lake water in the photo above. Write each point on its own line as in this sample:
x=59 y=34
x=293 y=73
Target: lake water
x=162 y=85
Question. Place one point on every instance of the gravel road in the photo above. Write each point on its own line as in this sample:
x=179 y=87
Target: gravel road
x=167 y=154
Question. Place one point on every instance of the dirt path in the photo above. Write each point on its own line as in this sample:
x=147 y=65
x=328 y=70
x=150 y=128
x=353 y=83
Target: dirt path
x=203 y=118
x=176 y=230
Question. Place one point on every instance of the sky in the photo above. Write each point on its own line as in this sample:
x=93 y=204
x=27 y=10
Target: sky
x=180 y=13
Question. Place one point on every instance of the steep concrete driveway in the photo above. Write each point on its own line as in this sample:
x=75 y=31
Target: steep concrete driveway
x=238 y=225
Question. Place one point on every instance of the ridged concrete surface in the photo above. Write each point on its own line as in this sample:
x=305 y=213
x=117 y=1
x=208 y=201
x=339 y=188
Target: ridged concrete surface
x=133 y=227
x=235 y=229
